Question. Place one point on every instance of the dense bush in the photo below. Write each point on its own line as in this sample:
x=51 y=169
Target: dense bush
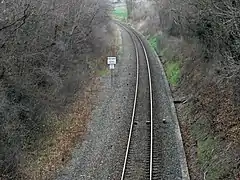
x=42 y=65
x=216 y=24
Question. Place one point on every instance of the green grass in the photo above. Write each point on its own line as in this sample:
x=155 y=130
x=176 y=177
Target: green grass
x=209 y=152
x=172 y=65
x=205 y=150
x=173 y=72
x=103 y=72
x=120 y=13
x=153 y=42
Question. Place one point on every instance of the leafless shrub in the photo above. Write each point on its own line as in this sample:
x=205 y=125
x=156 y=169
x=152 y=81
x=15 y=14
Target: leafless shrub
x=214 y=23
x=42 y=51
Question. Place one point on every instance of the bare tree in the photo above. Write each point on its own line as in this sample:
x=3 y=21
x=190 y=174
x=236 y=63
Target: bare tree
x=214 y=23
x=40 y=43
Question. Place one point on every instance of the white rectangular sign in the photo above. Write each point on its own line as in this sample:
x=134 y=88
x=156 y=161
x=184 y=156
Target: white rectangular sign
x=112 y=60
x=111 y=66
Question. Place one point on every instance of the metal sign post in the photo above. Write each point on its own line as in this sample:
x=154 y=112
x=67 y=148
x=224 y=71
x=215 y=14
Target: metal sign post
x=111 y=61
x=111 y=67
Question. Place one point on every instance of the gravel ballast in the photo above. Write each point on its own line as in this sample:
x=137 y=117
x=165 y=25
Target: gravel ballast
x=101 y=155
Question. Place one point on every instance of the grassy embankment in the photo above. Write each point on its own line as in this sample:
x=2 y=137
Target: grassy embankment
x=172 y=65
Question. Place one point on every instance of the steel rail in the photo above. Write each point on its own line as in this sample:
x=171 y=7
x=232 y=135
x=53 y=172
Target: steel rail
x=151 y=104
x=134 y=104
x=135 y=101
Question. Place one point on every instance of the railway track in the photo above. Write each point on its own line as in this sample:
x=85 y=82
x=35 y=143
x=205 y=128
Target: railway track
x=138 y=162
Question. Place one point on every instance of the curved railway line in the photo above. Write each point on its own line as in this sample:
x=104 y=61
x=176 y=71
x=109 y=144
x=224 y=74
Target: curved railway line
x=138 y=162
x=154 y=149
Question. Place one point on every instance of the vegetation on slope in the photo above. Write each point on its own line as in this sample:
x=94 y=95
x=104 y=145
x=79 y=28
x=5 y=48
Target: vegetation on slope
x=153 y=40
x=46 y=52
x=173 y=71
x=172 y=64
